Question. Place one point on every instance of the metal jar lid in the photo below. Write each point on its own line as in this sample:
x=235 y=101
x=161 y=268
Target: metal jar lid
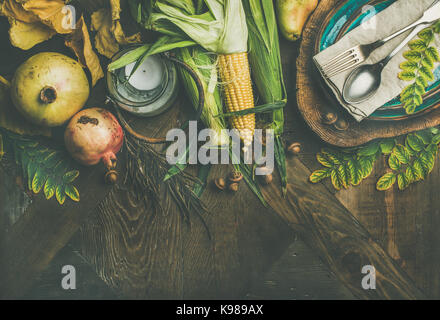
x=140 y=97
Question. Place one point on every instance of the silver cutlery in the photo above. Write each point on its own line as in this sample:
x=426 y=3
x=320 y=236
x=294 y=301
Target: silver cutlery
x=363 y=82
x=358 y=54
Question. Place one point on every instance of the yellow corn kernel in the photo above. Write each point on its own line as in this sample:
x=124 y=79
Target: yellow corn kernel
x=238 y=95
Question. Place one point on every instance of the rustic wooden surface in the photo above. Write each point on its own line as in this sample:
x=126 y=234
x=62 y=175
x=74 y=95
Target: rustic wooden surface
x=314 y=102
x=139 y=256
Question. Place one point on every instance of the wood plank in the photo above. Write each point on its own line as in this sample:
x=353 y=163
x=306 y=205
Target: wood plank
x=299 y=275
x=88 y=285
x=405 y=223
x=46 y=227
x=338 y=238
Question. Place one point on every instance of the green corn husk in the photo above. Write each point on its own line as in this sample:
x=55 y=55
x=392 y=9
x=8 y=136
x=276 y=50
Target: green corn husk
x=265 y=61
x=221 y=28
x=201 y=62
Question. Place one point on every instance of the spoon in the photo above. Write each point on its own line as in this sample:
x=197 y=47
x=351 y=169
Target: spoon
x=363 y=82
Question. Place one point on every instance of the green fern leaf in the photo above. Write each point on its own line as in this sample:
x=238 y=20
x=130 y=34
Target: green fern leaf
x=433 y=54
x=332 y=156
x=394 y=163
x=355 y=172
x=386 y=181
x=39 y=180
x=436 y=27
x=432 y=148
x=320 y=175
x=426 y=73
x=31 y=169
x=60 y=194
x=410 y=175
x=70 y=176
x=425 y=136
x=387 y=145
x=336 y=180
x=428 y=161
x=325 y=160
x=72 y=192
x=409 y=66
x=49 y=188
x=367 y=165
x=412 y=55
x=402 y=181
x=417 y=45
x=427 y=35
x=407 y=75
x=369 y=149
x=418 y=170
x=436 y=139
x=343 y=176
x=422 y=82
x=402 y=154
x=415 y=142
x=427 y=62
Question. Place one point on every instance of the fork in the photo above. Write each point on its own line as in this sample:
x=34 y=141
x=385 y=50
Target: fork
x=358 y=54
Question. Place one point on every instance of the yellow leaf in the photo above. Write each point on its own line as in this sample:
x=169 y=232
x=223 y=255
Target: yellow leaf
x=118 y=31
x=13 y=9
x=105 y=41
x=110 y=33
x=120 y=36
x=116 y=9
x=25 y=35
x=11 y=119
x=79 y=41
x=51 y=13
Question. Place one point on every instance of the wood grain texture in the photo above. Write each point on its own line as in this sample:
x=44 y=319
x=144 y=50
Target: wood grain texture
x=299 y=275
x=313 y=103
x=405 y=223
x=162 y=257
x=338 y=238
x=31 y=243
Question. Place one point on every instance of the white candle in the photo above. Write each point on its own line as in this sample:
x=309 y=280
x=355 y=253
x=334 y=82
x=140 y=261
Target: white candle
x=148 y=75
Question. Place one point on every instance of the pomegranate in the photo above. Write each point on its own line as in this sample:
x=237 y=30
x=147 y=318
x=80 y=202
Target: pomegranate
x=49 y=88
x=94 y=135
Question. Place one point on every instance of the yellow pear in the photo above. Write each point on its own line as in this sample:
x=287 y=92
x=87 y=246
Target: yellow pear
x=292 y=16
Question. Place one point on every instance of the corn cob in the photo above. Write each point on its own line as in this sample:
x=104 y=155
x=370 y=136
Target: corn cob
x=235 y=75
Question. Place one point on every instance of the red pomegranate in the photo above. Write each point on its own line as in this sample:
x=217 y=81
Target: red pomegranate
x=94 y=135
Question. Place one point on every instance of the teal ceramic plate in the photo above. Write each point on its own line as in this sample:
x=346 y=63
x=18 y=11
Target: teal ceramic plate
x=349 y=15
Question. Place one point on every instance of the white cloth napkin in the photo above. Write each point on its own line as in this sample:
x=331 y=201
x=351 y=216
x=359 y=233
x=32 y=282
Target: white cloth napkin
x=395 y=17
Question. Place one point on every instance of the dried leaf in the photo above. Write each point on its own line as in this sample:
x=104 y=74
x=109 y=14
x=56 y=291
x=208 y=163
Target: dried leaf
x=51 y=13
x=25 y=35
x=79 y=41
x=105 y=41
x=13 y=9
x=110 y=33
x=120 y=36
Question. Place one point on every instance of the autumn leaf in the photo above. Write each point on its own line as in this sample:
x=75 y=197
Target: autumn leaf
x=110 y=34
x=50 y=13
x=35 y=21
x=79 y=41
x=13 y=9
x=25 y=35
x=105 y=41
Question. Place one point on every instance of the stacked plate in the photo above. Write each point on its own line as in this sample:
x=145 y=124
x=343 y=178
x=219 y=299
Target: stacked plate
x=350 y=14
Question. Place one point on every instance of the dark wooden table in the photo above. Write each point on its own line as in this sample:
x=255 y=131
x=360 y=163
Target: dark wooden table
x=131 y=254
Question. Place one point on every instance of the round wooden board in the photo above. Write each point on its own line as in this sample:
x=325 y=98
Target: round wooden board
x=314 y=102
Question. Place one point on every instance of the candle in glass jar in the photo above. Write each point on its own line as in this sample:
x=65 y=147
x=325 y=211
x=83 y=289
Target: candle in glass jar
x=148 y=75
